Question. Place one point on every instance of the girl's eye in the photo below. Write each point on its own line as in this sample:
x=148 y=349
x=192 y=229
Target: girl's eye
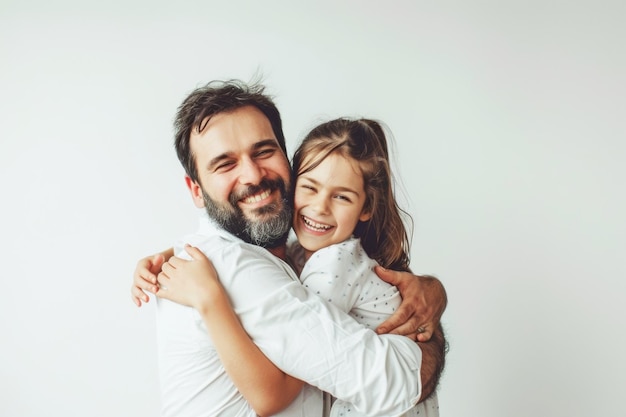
x=342 y=197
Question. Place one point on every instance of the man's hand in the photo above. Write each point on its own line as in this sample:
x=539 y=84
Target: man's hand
x=423 y=302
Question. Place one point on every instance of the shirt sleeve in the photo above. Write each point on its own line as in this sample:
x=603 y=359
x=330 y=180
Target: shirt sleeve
x=337 y=273
x=315 y=341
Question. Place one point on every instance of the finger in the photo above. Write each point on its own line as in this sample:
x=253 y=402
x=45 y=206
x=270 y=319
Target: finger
x=407 y=328
x=145 y=284
x=148 y=276
x=164 y=282
x=167 y=268
x=194 y=252
x=386 y=275
x=136 y=300
x=425 y=336
x=175 y=262
x=139 y=292
x=145 y=269
x=138 y=295
x=156 y=264
x=401 y=316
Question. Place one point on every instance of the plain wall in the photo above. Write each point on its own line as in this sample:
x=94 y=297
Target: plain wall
x=508 y=119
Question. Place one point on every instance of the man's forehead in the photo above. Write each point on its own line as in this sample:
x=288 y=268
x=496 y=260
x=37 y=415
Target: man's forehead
x=237 y=130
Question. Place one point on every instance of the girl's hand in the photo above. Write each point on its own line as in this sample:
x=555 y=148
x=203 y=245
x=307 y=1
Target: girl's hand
x=192 y=282
x=144 y=278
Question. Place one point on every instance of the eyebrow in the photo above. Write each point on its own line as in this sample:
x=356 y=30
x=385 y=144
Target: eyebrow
x=256 y=146
x=317 y=183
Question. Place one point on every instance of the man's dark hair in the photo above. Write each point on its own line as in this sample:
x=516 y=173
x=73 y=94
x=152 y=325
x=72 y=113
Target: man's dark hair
x=214 y=98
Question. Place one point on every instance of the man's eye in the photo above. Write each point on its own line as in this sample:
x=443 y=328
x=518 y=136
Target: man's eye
x=265 y=153
x=224 y=166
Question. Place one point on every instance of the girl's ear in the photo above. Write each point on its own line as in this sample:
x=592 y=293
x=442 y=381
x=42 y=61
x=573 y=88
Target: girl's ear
x=196 y=191
x=365 y=216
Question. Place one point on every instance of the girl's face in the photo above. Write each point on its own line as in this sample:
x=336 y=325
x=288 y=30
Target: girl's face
x=328 y=203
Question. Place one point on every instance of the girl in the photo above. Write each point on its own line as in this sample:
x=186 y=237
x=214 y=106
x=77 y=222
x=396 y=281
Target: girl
x=345 y=212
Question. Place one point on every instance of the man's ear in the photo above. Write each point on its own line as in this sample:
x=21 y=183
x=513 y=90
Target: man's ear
x=196 y=191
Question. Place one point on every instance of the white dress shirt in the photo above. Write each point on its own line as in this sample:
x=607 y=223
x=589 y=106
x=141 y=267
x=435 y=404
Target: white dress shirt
x=302 y=334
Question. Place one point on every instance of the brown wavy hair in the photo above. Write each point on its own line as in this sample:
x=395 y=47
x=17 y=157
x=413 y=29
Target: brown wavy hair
x=383 y=236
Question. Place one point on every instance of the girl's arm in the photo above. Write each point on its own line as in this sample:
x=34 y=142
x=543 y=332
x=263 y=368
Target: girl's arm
x=145 y=275
x=194 y=283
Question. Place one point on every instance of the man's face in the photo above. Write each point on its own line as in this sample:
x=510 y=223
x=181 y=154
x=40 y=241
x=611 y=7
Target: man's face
x=244 y=176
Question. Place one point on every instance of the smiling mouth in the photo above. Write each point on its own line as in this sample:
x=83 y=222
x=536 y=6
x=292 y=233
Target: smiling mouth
x=317 y=227
x=257 y=197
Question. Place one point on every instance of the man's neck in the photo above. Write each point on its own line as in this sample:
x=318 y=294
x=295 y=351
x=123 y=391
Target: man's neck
x=280 y=251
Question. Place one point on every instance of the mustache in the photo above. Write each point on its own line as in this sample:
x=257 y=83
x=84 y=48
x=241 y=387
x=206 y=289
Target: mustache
x=265 y=184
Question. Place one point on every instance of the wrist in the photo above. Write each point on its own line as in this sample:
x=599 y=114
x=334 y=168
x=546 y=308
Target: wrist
x=212 y=301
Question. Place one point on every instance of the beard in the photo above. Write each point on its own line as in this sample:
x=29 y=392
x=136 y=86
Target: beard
x=270 y=227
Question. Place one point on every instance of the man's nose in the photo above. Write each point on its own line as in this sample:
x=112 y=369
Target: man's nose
x=251 y=172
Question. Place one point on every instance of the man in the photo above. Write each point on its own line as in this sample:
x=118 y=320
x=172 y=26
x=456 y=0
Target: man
x=229 y=139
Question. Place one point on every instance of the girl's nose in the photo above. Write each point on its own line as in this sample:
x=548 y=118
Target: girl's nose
x=320 y=204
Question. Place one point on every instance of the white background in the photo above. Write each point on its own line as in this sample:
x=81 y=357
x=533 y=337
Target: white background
x=508 y=118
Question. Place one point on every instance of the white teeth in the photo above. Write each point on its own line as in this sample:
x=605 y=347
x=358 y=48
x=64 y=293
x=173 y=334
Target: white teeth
x=258 y=197
x=317 y=226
